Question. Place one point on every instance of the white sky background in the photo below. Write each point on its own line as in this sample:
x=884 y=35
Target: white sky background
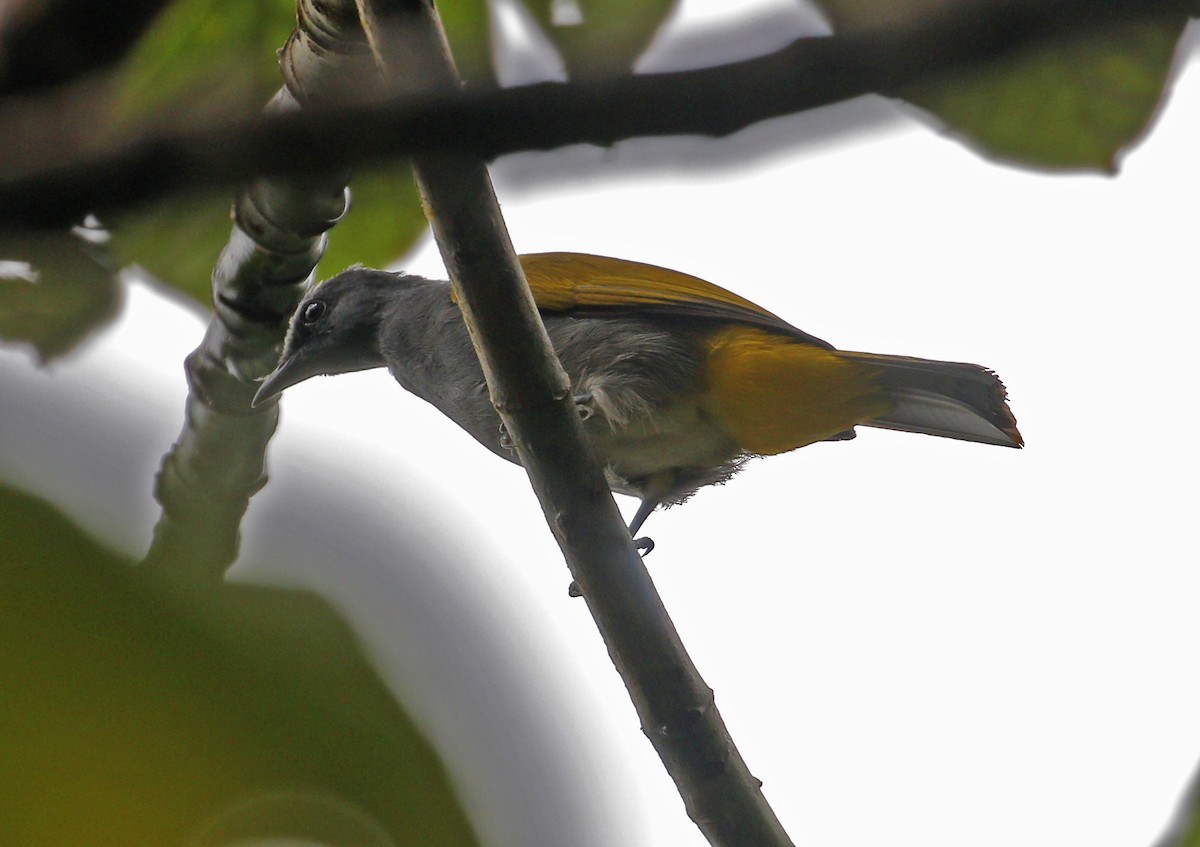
x=912 y=640
x=916 y=641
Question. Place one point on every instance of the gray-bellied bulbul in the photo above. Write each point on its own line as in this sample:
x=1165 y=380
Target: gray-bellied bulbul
x=679 y=381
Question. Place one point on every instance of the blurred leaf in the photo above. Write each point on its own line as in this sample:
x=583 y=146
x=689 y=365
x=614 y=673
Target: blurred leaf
x=1075 y=103
x=469 y=32
x=600 y=37
x=1184 y=829
x=135 y=712
x=384 y=222
x=176 y=239
x=208 y=56
x=48 y=43
x=55 y=289
x=204 y=58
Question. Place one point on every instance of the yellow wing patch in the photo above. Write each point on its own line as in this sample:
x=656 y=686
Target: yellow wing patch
x=565 y=282
x=772 y=394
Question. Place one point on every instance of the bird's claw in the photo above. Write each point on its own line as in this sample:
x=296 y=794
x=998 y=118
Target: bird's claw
x=644 y=546
x=583 y=405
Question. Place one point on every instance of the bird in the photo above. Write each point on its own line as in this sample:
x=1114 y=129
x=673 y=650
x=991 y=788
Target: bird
x=679 y=382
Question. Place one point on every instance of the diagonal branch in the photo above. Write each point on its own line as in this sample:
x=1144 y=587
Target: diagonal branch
x=714 y=101
x=532 y=394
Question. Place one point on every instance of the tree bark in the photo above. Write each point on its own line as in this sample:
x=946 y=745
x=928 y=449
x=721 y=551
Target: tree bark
x=217 y=464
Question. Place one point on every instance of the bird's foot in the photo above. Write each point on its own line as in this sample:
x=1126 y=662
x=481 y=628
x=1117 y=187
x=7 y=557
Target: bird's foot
x=644 y=546
x=584 y=405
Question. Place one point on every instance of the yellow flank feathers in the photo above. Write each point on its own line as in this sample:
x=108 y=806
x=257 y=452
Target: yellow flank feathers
x=773 y=394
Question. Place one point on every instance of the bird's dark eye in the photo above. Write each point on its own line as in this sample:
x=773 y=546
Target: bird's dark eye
x=313 y=311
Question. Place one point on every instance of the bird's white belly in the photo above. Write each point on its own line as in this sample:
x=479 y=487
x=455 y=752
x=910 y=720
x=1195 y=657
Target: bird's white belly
x=678 y=437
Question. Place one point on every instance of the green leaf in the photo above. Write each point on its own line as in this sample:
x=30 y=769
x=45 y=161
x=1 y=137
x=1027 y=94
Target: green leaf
x=1077 y=104
x=1069 y=104
x=468 y=30
x=55 y=290
x=138 y=711
x=201 y=60
x=204 y=58
x=218 y=56
x=176 y=239
x=600 y=37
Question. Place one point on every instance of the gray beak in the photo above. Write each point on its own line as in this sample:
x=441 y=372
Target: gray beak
x=289 y=372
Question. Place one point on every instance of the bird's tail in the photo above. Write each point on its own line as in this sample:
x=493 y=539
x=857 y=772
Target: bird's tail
x=951 y=399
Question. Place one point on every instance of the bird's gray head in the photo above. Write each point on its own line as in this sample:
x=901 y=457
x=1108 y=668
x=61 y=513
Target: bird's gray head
x=334 y=330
